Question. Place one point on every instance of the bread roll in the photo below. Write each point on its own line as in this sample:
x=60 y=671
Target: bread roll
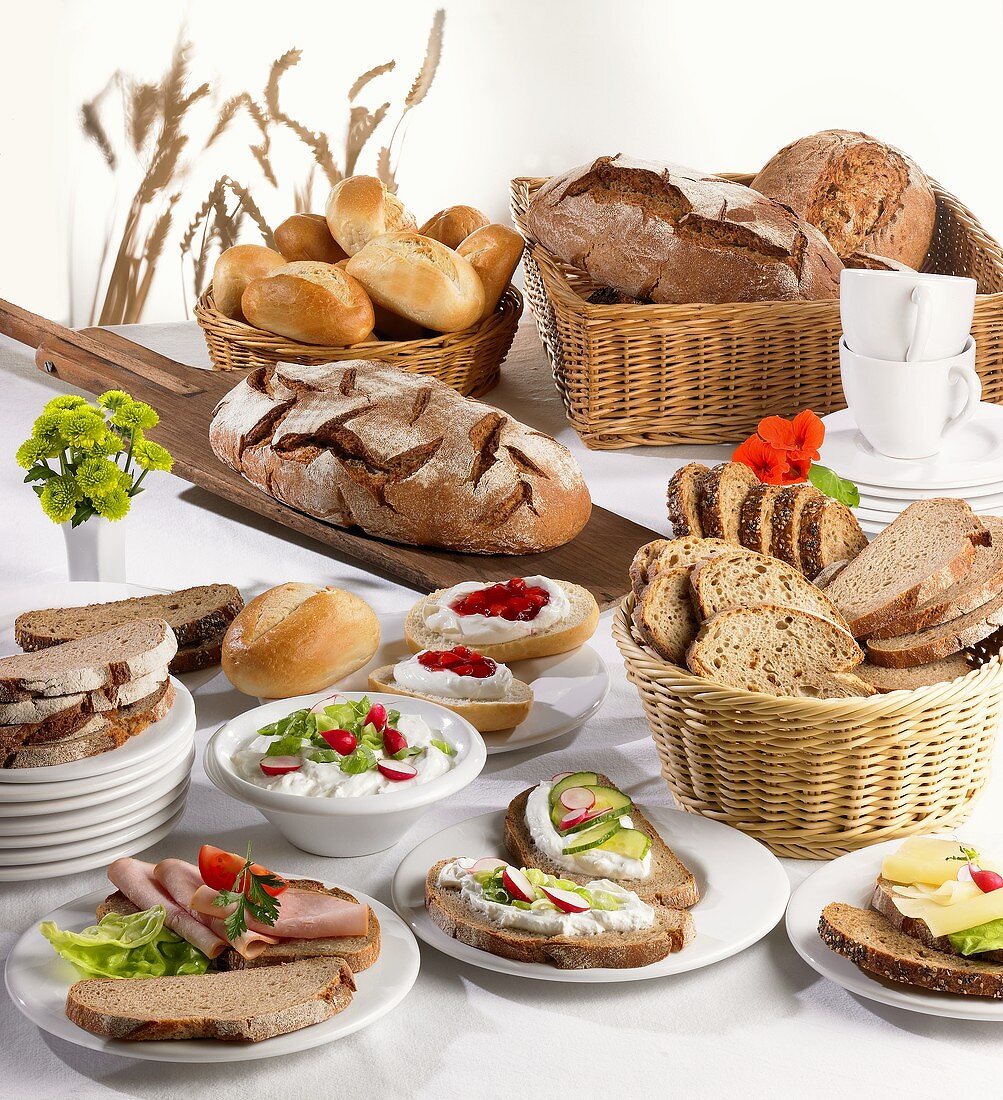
x=310 y=302
x=390 y=326
x=307 y=237
x=298 y=638
x=361 y=208
x=420 y=279
x=454 y=224
x=864 y=195
x=493 y=252
x=672 y=234
x=235 y=268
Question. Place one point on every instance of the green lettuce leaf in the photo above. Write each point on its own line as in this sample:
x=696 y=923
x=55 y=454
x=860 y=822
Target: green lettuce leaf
x=983 y=937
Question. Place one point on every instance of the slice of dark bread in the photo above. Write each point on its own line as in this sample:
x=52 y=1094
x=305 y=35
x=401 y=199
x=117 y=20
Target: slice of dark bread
x=722 y=494
x=683 y=499
x=671 y=882
x=785 y=534
x=871 y=942
x=937 y=642
x=828 y=532
x=755 y=527
x=673 y=929
x=192 y=658
x=908 y=679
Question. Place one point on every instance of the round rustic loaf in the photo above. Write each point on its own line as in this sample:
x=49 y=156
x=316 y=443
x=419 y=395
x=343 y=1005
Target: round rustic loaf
x=865 y=196
x=672 y=234
x=402 y=456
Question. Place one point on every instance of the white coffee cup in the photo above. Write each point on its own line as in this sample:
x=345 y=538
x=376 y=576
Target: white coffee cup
x=905 y=316
x=906 y=410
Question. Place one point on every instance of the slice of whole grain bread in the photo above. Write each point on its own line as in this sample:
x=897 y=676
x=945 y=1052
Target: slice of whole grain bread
x=908 y=679
x=926 y=646
x=755 y=528
x=665 y=617
x=785 y=536
x=722 y=494
x=828 y=532
x=683 y=499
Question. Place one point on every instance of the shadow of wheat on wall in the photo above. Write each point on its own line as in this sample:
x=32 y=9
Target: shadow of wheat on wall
x=158 y=124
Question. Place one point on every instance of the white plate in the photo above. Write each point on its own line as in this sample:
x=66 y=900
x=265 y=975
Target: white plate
x=568 y=688
x=972 y=457
x=63 y=867
x=876 y=496
x=885 y=516
x=743 y=891
x=173 y=733
x=37 y=980
x=850 y=879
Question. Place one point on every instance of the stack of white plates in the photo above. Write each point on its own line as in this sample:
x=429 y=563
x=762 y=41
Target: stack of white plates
x=71 y=817
x=970 y=467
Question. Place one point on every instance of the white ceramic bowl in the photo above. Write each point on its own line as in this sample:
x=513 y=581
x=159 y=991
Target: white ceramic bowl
x=350 y=826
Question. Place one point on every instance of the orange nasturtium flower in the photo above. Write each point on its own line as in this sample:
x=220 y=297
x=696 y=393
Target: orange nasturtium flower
x=768 y=463
x=803 y=435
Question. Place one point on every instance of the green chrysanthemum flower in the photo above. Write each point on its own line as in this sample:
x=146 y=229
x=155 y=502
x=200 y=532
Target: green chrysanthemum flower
x=49 y=427
x=84 y=428
x=112 y=444
x=114 y=400
x=135 y=414
x=66 y=401
x=151 y=456
x=97 y=476
x=113 y=505
x=60 y=497
x=31 y=451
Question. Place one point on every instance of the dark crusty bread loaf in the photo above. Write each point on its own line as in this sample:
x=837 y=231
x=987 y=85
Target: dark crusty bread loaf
x=402 y=456
x=244 y=1006
x=828 y=532
x=943 y=671
x=683 y=499
x=670 y=883
x=722 y=494
x=862 y=194
x=938 y=641
x=867 y=261
x=672 y=930
x=672 y=234
x=871 y=942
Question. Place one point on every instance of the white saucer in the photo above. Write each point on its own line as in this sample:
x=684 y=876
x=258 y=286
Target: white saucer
x=37 y=980
x=972 y=457
x=979 y=496
x=850 y=879
x=743 y=892
x=875 y=503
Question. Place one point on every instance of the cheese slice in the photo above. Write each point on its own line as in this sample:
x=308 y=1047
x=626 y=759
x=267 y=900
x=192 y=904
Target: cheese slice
x=952 y=907
x=924 y=859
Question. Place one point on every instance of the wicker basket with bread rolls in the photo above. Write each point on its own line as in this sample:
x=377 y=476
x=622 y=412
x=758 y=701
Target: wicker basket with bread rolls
x=675 y=305
x=363 y=280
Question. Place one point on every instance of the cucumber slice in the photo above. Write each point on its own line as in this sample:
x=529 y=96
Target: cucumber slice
x=609 y=802
x=576 y=779
x=593 y=837
x=628 y=842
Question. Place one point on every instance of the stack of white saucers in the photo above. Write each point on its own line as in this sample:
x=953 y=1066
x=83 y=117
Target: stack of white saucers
x=969 y=467
x=71 y=817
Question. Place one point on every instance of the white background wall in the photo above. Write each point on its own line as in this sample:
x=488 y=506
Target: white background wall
x=525 y=87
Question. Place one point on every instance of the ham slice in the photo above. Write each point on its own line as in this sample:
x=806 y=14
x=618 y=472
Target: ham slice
x=303 y=915
x=136 y=879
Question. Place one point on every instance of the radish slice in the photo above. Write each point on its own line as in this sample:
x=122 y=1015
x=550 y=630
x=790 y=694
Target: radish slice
x=488 y=863
x=517 y=884
x=560 y=775
x=398 y=770
x=318 y=707
x=569 y=821
x=566 y=900
x=578 y=798
x=280 y=765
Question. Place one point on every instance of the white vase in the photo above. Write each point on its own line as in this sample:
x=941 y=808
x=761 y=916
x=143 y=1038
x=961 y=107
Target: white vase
x=95 y=550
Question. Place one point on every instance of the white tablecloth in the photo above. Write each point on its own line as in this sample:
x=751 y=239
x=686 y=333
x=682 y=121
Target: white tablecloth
x=761 y=1024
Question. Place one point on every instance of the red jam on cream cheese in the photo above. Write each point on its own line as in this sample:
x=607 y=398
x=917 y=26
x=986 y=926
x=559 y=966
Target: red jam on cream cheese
x=459 y=673
x=473 y=612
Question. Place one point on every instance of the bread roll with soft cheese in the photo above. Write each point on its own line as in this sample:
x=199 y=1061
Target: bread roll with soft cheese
x=307 y=237
x=494 y=252
x=361 y=208
x=454 y=224
x=298 y=638
x=235 y=268
x=420 y=279
x=310 y=302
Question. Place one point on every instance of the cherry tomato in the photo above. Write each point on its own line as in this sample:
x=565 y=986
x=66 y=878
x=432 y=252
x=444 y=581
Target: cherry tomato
x=219 y=869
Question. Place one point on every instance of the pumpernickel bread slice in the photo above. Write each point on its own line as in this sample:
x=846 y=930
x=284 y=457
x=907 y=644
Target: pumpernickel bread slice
x=922 y=552
x=722 y=494
x=871 y=942
x=683 y=499
x=755 y=527
x=665 y=617
x=242 y=1006
x=908 y=679
x=785 y=534
x=672 y=930
x=927 y=646
x=828 y=532
x=191 y=658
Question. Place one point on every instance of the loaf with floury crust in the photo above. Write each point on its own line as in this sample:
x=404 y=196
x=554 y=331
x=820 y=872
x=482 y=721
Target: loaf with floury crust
x=672 y=234
x=401 y=456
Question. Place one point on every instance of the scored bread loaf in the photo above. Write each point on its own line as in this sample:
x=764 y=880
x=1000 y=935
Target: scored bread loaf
x=494 y=253
x=683 y=499
x=401 y=456
x=235 y=269
x=672 y=234
x=722 y=494
x=453 y=225
x=360 y=208
x=665 y=616
x=308 y=237
x=862 y=194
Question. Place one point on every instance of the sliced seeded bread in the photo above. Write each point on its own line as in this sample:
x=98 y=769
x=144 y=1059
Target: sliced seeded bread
x=672 y=930
x=755 y=527
x=42 y=708
x=983 y=580
x=671 y=882
x=745 y=579
x=871 y=942
x=828 y=532
x=246 y=1005
x=884 y=680
x=922 y=552
x=665 y=617
x=114 y=656
x=930 y=645
x=722 y=494
x=785 y=534
x=191 y=658
x=779 y=651
x=683 y=499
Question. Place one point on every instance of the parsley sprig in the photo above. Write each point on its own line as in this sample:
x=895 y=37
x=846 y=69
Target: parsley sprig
x=250 y=896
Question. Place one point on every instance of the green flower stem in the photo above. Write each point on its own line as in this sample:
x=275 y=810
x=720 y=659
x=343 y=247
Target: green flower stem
x=128 y=453
x=136 y=484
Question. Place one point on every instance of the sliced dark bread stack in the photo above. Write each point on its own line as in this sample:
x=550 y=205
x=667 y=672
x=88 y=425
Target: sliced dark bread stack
x=84 y=697
x=796 y=523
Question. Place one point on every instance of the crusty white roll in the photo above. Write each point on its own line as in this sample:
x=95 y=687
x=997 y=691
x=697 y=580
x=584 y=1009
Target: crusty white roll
x=361 y=208
x=310 y=302
x=235 y=268
x=298 y=638
x=454 y=224
x=307 y=237
x=420 y=279
x=494 y=253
